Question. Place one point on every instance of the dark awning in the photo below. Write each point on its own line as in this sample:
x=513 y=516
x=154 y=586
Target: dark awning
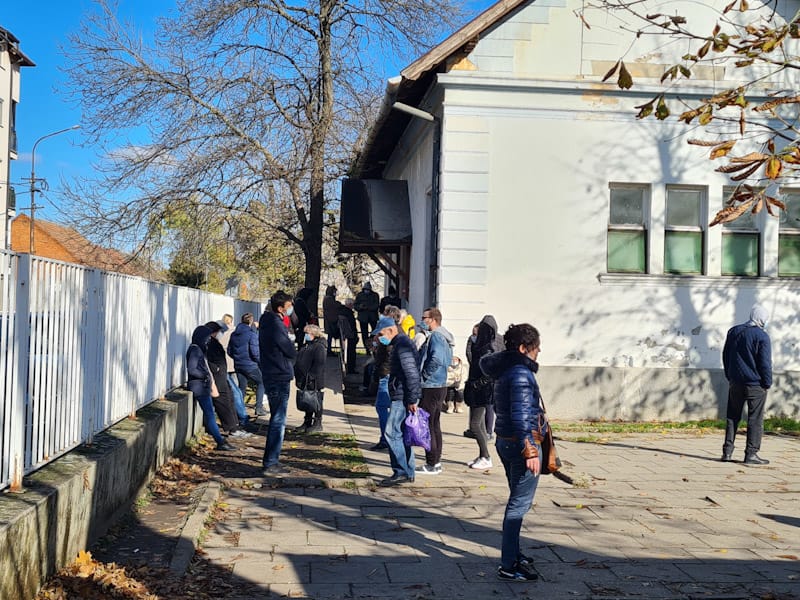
x=375 y=216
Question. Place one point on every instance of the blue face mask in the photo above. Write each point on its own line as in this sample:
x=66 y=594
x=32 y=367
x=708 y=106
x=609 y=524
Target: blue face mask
x=424 y=326
x=289 y=311
x=384 y=340
x=308 y=337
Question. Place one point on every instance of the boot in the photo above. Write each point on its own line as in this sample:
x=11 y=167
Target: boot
x=316 y=426
x=459 y=407
x=307 y=422
x=448 y=407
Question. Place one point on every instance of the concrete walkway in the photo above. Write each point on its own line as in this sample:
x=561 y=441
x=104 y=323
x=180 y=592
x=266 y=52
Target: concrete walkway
x=659 y=517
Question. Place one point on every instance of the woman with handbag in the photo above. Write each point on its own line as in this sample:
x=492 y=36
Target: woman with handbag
x=309 y=376
x=519 y=416
x=478 y=390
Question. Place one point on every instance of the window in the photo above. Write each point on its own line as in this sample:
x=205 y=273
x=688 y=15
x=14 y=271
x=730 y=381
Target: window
x=741 y=241
x=789 y=235
x=684 y=234
x=627 y=234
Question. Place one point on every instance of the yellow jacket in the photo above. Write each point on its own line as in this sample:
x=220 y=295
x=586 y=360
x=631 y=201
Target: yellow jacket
x=407 y=325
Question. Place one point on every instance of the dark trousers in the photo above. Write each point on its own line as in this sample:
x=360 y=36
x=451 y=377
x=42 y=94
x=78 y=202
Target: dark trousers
x=432 y=400
x=756 y=398
x=350 y=354
x=366 y=329
x=477 y=425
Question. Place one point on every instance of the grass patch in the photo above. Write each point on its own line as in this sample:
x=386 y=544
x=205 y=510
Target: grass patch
x=330 y=454
x=771 y=425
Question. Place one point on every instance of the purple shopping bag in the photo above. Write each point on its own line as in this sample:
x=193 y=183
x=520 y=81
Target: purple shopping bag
x=417 y=431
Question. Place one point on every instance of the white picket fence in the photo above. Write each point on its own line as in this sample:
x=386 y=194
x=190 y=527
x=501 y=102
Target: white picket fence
x=81 y=349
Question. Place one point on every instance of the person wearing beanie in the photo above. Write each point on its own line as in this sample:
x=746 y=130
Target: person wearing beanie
x=366 y=304
x=747 y=360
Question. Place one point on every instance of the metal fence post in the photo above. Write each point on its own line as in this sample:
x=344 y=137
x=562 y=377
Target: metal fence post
x=93 y=341
x=21 y=342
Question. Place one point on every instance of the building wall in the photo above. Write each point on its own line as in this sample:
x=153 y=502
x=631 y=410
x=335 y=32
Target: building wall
x=531 y=142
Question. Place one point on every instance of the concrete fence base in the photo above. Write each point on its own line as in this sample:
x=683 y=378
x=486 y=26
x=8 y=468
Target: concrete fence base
x=70 y=503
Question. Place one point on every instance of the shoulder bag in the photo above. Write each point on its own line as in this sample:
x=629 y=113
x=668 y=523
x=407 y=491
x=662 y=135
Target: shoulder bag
x=549 y=457
x=309 y=399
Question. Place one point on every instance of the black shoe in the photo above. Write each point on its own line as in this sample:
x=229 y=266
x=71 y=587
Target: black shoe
x=379 y=446
x=754 y=459
x=516 y=573
x=301 y=429
x=274 y=470
x=395 y=480
x=315 y=428
x=726 y=458
x=526 y=562
x=226 y=446
x=468 y=434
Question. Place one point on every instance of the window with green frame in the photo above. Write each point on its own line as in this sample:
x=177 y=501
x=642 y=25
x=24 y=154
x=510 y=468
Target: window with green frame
x=627 y=234
x=684 y=234
x=789 y=235
x=741 y=244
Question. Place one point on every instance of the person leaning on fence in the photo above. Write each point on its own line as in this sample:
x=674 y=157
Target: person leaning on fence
x=238 y=399
x=277 y=356
x=201 y=383
x=309 y=373
x=223 y=402
x=518 y=406
x=405 y=391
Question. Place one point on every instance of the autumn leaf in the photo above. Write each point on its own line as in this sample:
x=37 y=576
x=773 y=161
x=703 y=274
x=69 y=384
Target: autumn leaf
x=662 y=110
x=722 y=149
x=731 y=213
x=645 y=110
x=625 y=81
x=774 y=168
x=84 y=558
x=706 y=115
x=613 y=70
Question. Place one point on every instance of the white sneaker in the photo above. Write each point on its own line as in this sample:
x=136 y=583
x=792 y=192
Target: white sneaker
x=473 y=461
x=482 y=464
x=241 y=434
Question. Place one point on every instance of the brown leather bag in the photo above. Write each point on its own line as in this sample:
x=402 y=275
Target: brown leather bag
x=549 y=457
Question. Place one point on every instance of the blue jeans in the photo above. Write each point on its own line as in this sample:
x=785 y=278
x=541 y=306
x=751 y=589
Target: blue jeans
x=209 y=418
x=278 y=398
x=238 y=401
x=400 y=455
x=382 y=405
x=254 y=375
x=522 y=486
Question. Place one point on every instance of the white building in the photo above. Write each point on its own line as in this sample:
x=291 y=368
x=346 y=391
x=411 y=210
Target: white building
x=11 y=59
x=556 y=206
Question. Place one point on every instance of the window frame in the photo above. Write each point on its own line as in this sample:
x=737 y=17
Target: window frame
x=787 y=231
x=646 y=190
x=729 y=230
x=701 y=228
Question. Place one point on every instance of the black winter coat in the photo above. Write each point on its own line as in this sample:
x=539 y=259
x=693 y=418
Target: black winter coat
x=277 y=350
x=197 y=373
x=310 y=365
x=404 y=379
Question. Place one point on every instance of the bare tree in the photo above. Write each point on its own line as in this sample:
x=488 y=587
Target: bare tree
x=251 y=106
x=752 y=121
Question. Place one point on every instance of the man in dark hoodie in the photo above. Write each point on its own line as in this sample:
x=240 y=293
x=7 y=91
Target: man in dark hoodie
x=277 y=356
x=243 y=349
x=518 y=407
x=405 y=392
x=747 y=358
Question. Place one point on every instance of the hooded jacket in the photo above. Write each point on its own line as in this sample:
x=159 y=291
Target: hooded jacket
x=367 y=303
x=486 y=342
x=404 y=381
x=516 y=395
x=747 y=354
x=436 y=356
x=243 y=348
x=277 y=350
x=198 y=376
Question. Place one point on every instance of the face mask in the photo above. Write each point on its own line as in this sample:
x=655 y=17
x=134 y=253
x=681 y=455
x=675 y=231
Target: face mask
x=289 y=311
x=473 y=338
x=308 y=337
x=384 y=340
x=424 y=326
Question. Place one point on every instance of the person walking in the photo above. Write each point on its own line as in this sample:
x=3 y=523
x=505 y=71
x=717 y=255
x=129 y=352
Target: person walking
x=277 y=355
x=518 y=407
x=747 y=360
x=478 y=390
x=366 y=304
x=436 y=355
x=404 y=391
x=243 y=349
x=309 y=373
x=201 y=383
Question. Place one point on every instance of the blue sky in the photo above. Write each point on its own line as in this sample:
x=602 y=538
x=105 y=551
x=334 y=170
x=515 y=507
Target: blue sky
x=43 y=109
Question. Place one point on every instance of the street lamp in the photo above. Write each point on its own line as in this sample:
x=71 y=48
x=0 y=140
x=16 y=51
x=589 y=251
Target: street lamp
x=33 y=179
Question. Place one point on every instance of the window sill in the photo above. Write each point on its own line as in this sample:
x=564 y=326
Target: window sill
x=704 y=281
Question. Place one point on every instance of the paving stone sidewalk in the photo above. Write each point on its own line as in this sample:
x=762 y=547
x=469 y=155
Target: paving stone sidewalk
x=659 y=517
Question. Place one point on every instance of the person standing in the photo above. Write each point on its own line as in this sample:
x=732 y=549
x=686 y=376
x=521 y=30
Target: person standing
x=226 y=324
x=518 y=407
x=379 y=381
x=391 y=299
x=302 y=315
x=243 y=349
x=436 y=355
x=479 y=389
x=277 y=355
x=330 y=316
x=366 y=304
x=309 y=373
x=747 y=360
x=405 y=392
x=223 y=402
x=348 y=335
x=201 y=383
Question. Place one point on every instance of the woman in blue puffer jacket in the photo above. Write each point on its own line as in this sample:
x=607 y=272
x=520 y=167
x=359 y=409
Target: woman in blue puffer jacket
x=518 y=408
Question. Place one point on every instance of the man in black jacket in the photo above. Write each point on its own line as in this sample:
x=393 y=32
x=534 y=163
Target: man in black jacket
x=367 y=304
x=277 y=356
x=405 y=391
